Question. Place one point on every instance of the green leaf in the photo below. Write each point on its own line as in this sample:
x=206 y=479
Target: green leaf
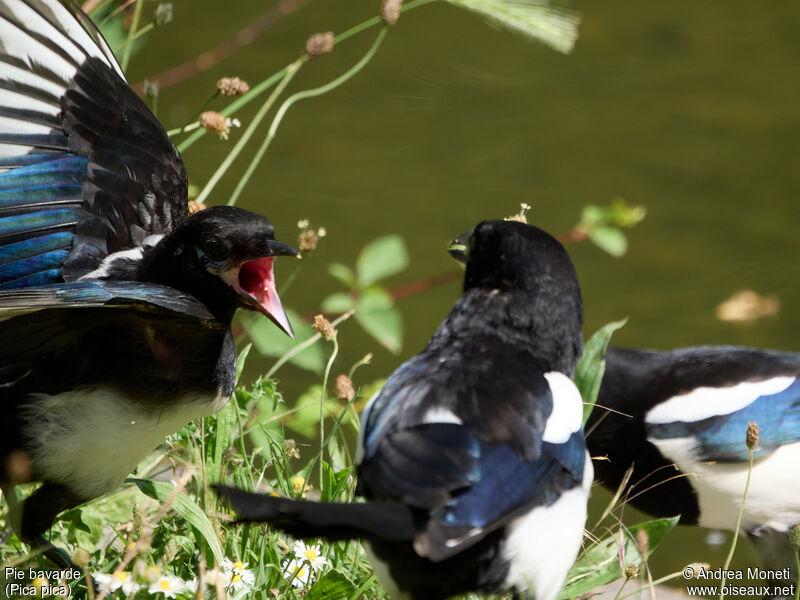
x=537 y=19
x=85 y=524
x=333 y=482
x=375 y=312
x=592 y=365
x=339 y=302
x=343 y=274
x=186 y=508
x=240 y=360
x=270 y=341
x=334 y=585
x=224 y=436
x=600 y=564
x=610 y=239
x=305 y=419
x=381 y=258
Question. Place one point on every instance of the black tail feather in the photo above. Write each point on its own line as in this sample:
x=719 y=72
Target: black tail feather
x=378 y=521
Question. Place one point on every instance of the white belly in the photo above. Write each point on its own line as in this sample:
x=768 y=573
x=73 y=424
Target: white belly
x=773 y=499
x=542 y=545
x=90 y=440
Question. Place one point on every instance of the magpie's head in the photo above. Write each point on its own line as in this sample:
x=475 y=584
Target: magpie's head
x=223 y=257
x=509 y=255
x=526 y=277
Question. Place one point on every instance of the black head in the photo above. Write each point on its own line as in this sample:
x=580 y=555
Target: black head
x=523 y=283
x=223 y=257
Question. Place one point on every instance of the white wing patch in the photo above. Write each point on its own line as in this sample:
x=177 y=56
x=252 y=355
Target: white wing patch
x=704 y=402
x=567 y=415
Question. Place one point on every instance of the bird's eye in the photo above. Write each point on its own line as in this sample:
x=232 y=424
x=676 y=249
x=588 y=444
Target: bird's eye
x=215 y=249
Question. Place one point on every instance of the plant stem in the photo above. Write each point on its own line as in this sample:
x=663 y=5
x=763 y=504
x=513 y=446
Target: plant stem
x=294 y=98
x=322 y=406
x=290 y=72
x=738 y=525
x=797 y=571
x=272 y=79
x=658 y=581
x=303 y=345
x=126 y=55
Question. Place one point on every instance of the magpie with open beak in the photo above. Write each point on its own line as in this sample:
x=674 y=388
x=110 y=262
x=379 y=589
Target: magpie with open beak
x=472 y=457
x=680 y=420
x=115 y=303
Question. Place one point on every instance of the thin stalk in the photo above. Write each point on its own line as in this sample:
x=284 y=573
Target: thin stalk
x=322 y=405
x=271 y=80
x=659 y=581
x=318 y=91
x=738 y=525
x=797 y=570
x=193 y=123
x=303 y=345
x=248 y=133
x=126 y=55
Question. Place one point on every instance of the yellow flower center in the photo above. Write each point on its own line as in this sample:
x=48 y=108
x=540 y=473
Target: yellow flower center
x=236 y=577
x=164 y=584
x=121 y=576
x=310 y=554
x=238 y=566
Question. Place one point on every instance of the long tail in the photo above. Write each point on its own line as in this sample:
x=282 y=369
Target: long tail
x=378 y=521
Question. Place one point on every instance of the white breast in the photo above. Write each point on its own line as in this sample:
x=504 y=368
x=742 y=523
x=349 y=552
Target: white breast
x=773 y=499
x=91 y=439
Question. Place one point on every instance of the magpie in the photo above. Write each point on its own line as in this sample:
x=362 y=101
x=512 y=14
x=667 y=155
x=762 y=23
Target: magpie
x=680 y=419
x=115 y=303
x=471 y=458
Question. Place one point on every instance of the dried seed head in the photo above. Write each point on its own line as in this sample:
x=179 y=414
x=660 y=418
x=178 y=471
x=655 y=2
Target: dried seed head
x=631 y=571
x=752 y=435
x=794 y=538
x=164 y=13
x=642 y=541
x=195 y=206
x=390 y=11
x=520 y=216
x=228 y=454
x=344 y=388
x=232 y=86
x=290 y=447
x=319 y=44
x=307 y=241
x=151 y=88
x=218 y=123
x=324 y=327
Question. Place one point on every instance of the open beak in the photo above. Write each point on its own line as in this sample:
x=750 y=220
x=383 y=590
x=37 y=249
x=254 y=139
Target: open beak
x=254 y=281
x=459 y=247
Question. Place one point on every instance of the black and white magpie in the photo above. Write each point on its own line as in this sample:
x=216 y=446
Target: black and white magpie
x=472 y=456
x=115 y=304
x=683 y=427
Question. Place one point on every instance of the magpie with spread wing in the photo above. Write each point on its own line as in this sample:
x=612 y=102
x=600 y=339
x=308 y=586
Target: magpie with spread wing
x=472 y=457
x=680 y=418
x=115 y=303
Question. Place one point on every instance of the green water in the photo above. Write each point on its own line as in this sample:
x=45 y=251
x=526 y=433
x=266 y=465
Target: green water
x=690 y=109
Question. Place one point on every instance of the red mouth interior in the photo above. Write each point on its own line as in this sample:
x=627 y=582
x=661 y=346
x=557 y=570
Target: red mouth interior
x=256 y=278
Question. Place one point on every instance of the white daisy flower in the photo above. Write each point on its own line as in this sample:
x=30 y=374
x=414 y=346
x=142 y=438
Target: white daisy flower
x=298 y=572
x=237 y=575
x=117 y=580
x=168 y=585
x=311 y=554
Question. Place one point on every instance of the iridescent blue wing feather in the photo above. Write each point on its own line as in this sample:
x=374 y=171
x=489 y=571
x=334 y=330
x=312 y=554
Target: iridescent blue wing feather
x=86 y=169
